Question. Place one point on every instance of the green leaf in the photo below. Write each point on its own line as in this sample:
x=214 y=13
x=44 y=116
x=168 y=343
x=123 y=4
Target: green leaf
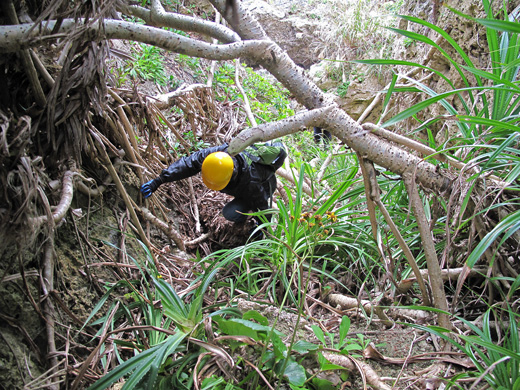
x=493 y=77
x=254 y=315
x=240 y=327
x=496 y=124
x=103 y=300
x=416 y=108
x=389 y=93
x=322 y=384
x=173 y=305
x=318 y=333
x=352 y=347
x=233 y=328
x=280 y=350
x=450 y=40
x=343 y=329
x=501 y=25
x=330 y=367
x=404 y=63
x=255 y=326
x=428 y=102
x=302 y=346
x=295 y=374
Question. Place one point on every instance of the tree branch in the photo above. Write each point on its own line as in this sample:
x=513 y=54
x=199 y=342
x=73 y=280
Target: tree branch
x=276 y=61
x=272 y=130
x=182 y=22
x=414 y=145
x=18 y=37
x=369 y=171
x=246 y=105
x=434 y=269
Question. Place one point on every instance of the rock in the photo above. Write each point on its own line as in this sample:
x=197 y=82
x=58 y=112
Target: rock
x=360 y=91
x=319 y=73
x=357 y=100
x=294 y=34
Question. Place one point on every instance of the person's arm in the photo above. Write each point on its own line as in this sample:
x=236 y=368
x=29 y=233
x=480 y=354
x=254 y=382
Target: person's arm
x=188 y=166
x=181 y=169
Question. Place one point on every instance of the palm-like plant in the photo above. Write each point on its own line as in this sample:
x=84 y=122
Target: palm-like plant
x=487 y=116
x=494 y=349
x=488 y=120
x=161 y=330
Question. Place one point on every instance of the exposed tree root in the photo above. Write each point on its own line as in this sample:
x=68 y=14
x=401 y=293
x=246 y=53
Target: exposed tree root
x=367 y=373
x=446 y=274
x=48 y=310
x=67 y=193
x=169 y=230
x=93 y=192
x=115 y=177
x=198 y=240
x=347 y=303
x=30 y=70
x=196 y=214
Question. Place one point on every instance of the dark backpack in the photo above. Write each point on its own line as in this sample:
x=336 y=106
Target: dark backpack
x=269 y=154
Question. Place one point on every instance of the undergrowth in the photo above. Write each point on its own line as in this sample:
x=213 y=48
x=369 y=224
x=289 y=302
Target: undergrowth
x=198 y=338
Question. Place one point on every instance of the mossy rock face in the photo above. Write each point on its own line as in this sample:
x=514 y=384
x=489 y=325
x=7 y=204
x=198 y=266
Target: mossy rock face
x=22 y=330
x=18 y=362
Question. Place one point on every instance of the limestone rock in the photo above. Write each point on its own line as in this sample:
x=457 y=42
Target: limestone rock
x=294 y=34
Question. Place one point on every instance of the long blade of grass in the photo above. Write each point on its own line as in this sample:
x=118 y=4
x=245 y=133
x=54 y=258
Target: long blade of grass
x=496 y=124
x=447 y=37
x=166 y=348
x=511 y=221
x=497 y=79
x=425 y=103
x=102 y=301
x=500 y=25
x=332 y=200
x=388 y=95
x=174 y=307
x=140 y=363
x=404 y=63
x=428 y=41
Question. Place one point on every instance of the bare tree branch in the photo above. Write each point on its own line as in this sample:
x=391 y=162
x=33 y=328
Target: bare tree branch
x=432 y=262
x=19 y=37
x=183 y=22
x=274 y=59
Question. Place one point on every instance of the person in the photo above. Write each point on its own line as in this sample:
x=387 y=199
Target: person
x=322 y=135
x=249 y=176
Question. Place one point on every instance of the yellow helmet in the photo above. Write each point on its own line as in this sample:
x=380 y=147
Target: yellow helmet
x=217 y=170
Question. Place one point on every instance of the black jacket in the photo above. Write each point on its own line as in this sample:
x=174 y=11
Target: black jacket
x=253 y=183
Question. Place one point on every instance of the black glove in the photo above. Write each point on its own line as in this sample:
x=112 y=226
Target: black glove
x=148 y=188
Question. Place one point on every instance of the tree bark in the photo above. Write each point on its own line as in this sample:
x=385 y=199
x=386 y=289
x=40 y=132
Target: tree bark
x=266 y=53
